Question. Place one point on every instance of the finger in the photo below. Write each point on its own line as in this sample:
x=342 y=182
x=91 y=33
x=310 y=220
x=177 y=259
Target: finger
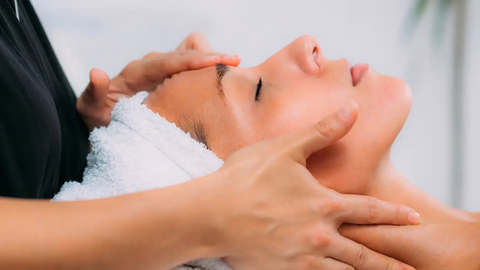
x=358 y=209
x=392 y=240
x=200 y=43
x=97 y=90
x=203 y=60
x=324 y=133
x=158 y=67
x=195 y=41
x=183 y=46
x=362 y=258
x=332 y=264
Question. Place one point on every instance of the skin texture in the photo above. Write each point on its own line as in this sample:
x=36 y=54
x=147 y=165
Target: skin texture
x=135 y=231
x=296 y=92
x=300 y=85
x=251 y=232
x=101 y=95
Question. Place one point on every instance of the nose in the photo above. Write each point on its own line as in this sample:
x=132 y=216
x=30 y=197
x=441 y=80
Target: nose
x=307 y=54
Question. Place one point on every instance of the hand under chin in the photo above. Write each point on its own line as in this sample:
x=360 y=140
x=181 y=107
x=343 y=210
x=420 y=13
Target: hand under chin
x=446 y=246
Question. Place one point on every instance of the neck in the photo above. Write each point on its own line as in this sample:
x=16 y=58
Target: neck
x=390 y=185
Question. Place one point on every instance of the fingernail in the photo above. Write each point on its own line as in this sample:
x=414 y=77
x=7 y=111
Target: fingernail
x=345 y=111
x=413 y=218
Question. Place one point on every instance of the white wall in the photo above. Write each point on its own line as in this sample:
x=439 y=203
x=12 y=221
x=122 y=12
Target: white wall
x=109 y=33
x=472 y=109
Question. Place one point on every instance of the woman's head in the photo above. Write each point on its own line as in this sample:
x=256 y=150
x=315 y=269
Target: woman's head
x=229 y=108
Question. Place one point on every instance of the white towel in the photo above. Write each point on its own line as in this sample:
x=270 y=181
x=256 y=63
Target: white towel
x=140 y=150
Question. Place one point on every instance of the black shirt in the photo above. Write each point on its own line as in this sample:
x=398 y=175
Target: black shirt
x=43 y=141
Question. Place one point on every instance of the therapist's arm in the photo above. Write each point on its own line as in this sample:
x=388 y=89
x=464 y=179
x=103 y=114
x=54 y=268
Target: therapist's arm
x=139 y=231
x=261 y=210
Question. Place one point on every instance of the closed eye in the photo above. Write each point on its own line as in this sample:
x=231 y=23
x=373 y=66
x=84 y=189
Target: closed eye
x=259 y=89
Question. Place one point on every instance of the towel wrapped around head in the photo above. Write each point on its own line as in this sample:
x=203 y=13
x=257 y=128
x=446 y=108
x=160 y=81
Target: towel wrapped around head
x=140 y=150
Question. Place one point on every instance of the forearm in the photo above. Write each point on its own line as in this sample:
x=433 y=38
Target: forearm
x=156 y=229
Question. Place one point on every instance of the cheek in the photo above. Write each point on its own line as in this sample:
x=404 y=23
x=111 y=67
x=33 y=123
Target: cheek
x=348 y=166
x=337 y=166
x=224 y=135
x=295 y=105
x=384 y=107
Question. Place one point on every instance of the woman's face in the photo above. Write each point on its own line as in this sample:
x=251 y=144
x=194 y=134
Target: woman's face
x=299 y=87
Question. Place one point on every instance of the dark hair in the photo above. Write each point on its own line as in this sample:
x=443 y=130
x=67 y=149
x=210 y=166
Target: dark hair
x=195 y=129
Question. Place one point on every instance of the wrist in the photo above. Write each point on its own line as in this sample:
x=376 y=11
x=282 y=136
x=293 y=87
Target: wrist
x=206 y=217
x=212 y=209
x=189 y=212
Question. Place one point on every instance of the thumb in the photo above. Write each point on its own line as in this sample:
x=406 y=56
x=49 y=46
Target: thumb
x=98 y=88
x=323 y=133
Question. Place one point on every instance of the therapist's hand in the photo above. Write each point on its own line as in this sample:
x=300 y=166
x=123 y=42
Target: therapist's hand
x=96 y=103
x=271 y=213
x=448 y=245
x=195 y=41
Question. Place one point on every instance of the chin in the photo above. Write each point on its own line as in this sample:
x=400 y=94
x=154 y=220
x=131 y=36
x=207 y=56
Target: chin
x=398 y=96
x=348 y=166
x=385 y=104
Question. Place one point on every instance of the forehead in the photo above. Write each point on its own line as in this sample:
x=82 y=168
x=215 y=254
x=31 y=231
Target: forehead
x=193 y=97
x=186 y=92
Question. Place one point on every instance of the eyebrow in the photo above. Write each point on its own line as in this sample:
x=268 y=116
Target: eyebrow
x=221 y=71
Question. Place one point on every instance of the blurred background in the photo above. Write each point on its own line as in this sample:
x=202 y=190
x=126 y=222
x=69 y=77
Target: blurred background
x=434 y=45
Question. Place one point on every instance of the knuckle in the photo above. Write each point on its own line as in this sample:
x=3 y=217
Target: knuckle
x=320 y=240
x=394 y=265
x=373 y=208
x=132 y=67
x=397 y=213
x=361 y=258
x=390 y=265
x=324 y=129
x=151 y=55
x=307 y=263
x=133 y=64
x=334 y=205
x=81 y=108
x=330 y=207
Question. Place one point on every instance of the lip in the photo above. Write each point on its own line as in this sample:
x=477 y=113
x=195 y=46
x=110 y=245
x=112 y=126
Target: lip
x=357 y=72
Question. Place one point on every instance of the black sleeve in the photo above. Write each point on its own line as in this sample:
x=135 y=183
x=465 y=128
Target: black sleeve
x=43 y=140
